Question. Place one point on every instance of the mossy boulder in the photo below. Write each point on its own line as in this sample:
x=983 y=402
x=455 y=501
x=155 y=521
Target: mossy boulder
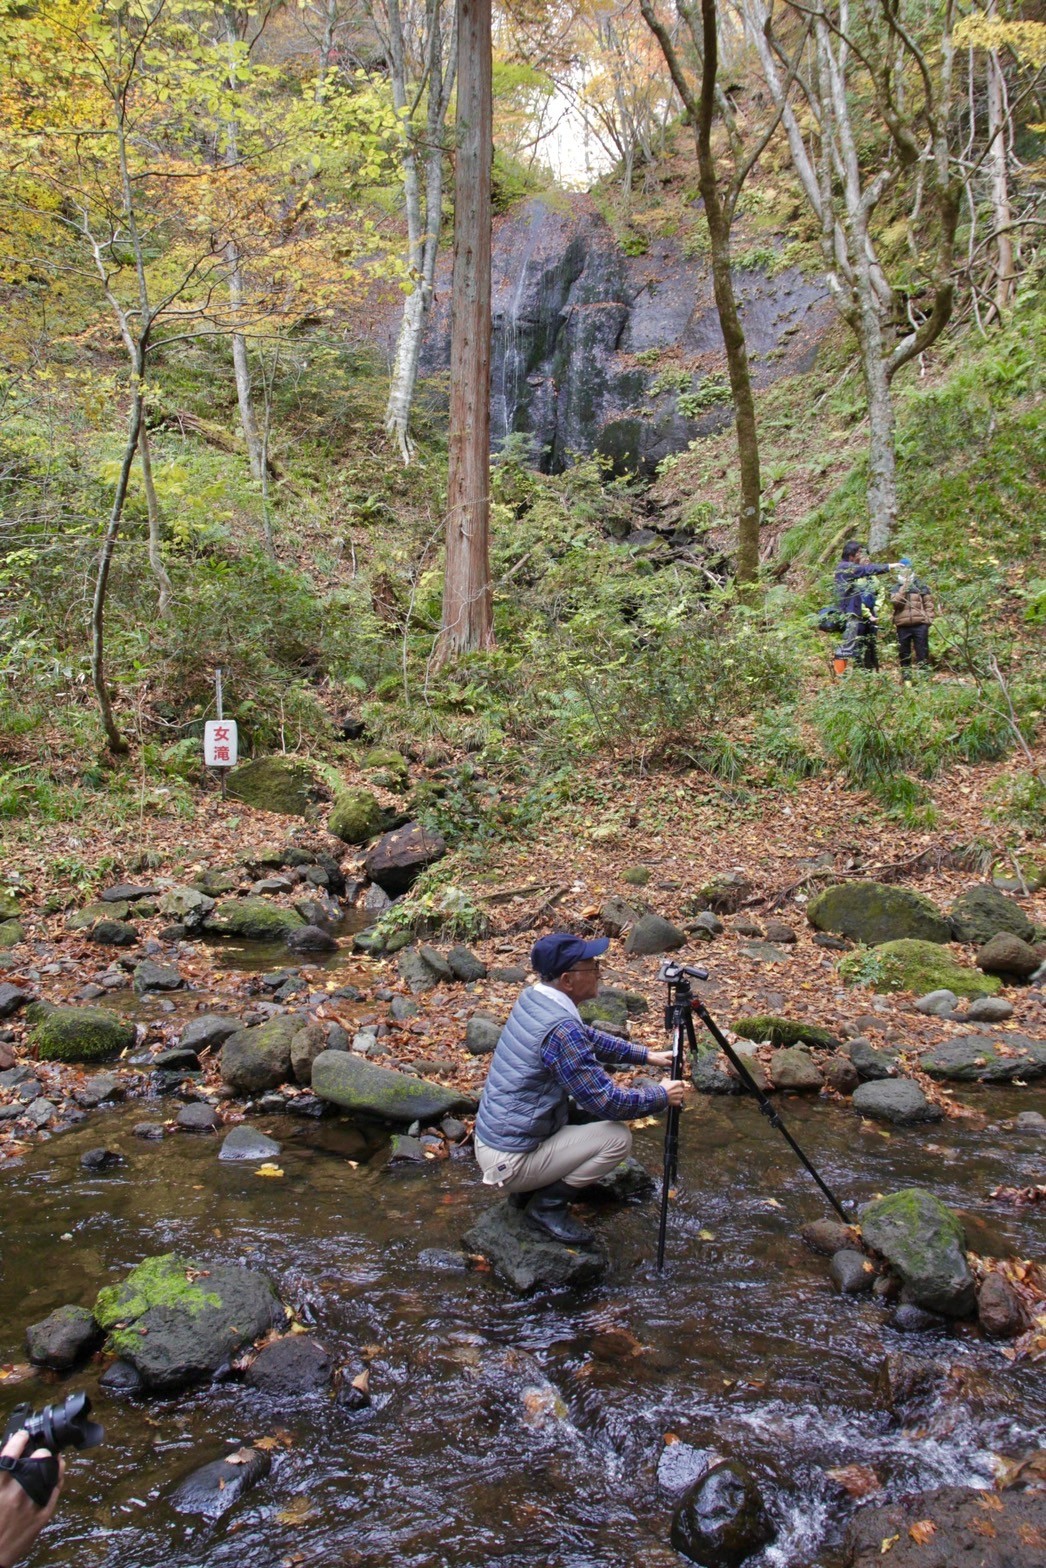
x=389 y=767
x=914 y=966
x=874 y=912
x=11 y=932
x=254 y=918
x=356 y=816
x=87 y=918
x=176 y=1321
x=786 y=1032
x=360 y=1086
x=79 y=1034
x=259 y=1058
x=981 y=912
x=976 y=1058
x=10 y=907
x=280 y=784
x=924 y=1242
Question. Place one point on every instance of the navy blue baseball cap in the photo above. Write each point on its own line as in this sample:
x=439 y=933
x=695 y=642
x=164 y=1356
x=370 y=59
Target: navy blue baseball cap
x=551 y=956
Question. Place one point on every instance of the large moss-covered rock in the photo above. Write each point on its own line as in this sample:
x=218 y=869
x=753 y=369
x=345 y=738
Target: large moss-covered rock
x=982 y=911
x=254 y=918
x=87 y=918
x=260 y=1058
x=11 y=933
x=914 y=966
x=874 y=912
x=282 y=784
x=79 y=1034
x=786 y=1031
x=355 y=817
x=176 y=1321
x=925 y=1244
x=357 y=1085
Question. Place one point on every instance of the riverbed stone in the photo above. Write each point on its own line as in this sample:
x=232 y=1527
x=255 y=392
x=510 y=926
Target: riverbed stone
x=64 y=1338
x=255 y=919
x=290 y=1367
x=841 y=1075
x=780 y=932
x=87 y=918
x=311 y=939
x=726 y=892
x=851 y=1272
x=113 y=933
x=346 y=1079
x=998 y=1308
x=1009 y=956
x=653 y=934
x=12 y=997
x=915 y=966
x=989 y=1010
x=97 y=1089
x=828 y=1236
x=924 y=1242
x=525 y=1259
x=244 y=1145
x=416 y=970
x=188 y=905
x=259 y=1058
x=213 y=1489
x=465 y=965
x=176 y=1320
x=398 y=858
x=794 y=1069
x=978 y=1058
x=875 y=912
x=982 y=911
x=871 y=1064
x=79 y=1034
x=722 y=1520
x=482 y=1034
x=937 y=1004
x=896 y=1100
x=199 y=1116
x=207 y=1031
x=1016 y=1537
x=150 y=976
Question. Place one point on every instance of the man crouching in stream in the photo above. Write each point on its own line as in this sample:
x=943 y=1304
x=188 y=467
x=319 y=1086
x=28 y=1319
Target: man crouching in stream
x=545 y=1057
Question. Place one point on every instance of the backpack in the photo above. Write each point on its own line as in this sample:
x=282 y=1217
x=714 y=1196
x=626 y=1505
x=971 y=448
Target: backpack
x=831 y=619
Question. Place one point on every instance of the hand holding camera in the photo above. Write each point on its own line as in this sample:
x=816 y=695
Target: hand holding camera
x=31 y=1468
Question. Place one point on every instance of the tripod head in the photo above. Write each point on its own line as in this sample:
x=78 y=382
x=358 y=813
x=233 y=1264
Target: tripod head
x=680 y=974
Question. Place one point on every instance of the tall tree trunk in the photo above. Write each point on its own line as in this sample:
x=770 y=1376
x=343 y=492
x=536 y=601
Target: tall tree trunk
x=718 y=219
x=467 y=598
x=156 y=564
x=881 y=494
x=241 y=366
x=1005 y=281
x=117 y=744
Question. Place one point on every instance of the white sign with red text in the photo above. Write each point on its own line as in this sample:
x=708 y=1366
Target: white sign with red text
x=219 y=743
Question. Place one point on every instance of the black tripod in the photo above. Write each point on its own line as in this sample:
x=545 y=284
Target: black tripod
x=680 y=1008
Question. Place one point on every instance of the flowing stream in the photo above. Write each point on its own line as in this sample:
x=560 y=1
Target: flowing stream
x=507 y=1431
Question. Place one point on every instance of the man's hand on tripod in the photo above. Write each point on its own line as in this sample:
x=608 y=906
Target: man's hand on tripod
x=659 y=1058
x=675 y=1088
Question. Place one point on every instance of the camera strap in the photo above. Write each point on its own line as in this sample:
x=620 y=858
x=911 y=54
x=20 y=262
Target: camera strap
x=37 y=1477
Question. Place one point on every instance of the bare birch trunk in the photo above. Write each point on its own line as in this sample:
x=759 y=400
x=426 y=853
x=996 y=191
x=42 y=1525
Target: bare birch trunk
x=242 y=369
x=1005 y=281
x=467 y=598
x=156 y=565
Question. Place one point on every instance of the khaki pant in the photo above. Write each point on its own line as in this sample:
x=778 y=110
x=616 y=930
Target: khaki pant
x=576 y=1155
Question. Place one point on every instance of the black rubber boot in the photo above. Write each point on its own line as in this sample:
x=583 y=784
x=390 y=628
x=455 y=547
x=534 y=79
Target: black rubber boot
x=548 y=1210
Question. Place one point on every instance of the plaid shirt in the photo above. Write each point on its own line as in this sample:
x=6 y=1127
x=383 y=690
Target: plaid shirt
x=572 y=1053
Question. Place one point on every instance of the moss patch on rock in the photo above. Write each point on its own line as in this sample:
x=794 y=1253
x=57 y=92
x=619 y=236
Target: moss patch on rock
x=785 y=1032
x=166 y=1281
x=282 y=784
x=80 y=1034
x=392 y=765
x=914 y=966
x=254 y=918
x=876 y=912
x=355 y=817
x=87 y=918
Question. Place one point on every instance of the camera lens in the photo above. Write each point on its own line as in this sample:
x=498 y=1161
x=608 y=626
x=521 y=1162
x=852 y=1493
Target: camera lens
x=67 y=1425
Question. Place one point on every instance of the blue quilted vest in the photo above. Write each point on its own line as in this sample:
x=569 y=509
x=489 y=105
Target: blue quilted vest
x=522 y=1104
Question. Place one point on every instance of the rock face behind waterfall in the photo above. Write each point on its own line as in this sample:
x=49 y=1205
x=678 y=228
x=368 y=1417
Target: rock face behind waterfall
x=571 y=314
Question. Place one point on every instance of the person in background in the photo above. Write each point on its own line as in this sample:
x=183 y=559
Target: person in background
x=545 y=1057
x=912 y=618
x=20 y=1519
x=855 y=596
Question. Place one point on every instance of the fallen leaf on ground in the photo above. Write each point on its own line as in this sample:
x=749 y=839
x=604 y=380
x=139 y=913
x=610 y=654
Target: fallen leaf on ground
x=858 y=1480
x=922 y=1530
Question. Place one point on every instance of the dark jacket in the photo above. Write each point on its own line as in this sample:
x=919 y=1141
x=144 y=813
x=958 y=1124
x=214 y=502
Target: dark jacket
x=854 y=594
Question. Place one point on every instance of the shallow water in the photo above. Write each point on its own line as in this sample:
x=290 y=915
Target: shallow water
x=505 y=1431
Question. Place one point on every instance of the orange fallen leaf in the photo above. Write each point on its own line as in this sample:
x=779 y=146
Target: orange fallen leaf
x=922 y=1530
x=858 y=1480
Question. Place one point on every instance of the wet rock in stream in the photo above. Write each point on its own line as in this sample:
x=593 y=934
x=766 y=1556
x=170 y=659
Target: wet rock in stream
x=343 y=1078
x=64 y=1338
x=722 y=1520
x=526 y=1260
x=925 y=1244
x=291 y=1367
x=213 y=1489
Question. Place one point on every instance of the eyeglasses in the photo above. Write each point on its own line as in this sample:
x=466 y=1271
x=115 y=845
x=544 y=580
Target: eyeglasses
x=588 y=963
